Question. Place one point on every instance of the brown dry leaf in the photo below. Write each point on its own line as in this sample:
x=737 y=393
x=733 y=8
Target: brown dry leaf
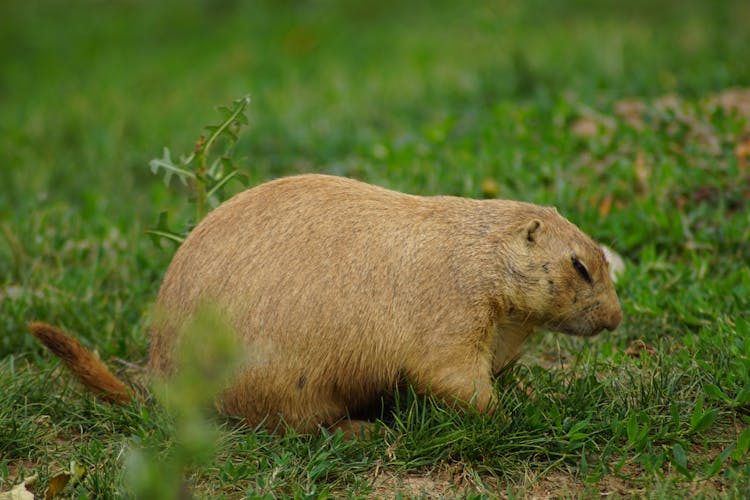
x=742 y=151
x=668 y=102
x=605 y=206
x=56 y=485
x=735 y=99
x=585 y=127
x=58 y=482
x=638 y=347
x=631 y=110
x=391 y=451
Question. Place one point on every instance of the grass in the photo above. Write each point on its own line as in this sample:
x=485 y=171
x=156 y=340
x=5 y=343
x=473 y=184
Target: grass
x=610 y=111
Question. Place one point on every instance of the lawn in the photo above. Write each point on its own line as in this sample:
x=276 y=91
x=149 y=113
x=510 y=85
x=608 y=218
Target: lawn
x=633 y=119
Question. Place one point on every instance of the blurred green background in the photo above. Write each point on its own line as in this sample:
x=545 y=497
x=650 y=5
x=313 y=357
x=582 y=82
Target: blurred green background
x=89 y=91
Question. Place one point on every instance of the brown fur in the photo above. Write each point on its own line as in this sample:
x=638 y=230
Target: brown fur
x=340 y=291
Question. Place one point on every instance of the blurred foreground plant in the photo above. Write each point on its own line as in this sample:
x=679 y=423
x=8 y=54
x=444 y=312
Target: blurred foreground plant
x=207 y=357
x=203 y=171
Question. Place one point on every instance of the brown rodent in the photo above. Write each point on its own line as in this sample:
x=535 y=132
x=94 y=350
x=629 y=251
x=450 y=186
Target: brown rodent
x=340 y=291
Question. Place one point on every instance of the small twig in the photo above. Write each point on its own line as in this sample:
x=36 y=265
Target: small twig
x=128 y=364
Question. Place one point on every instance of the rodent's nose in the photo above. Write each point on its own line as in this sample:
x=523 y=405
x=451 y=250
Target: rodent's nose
x=614 y=320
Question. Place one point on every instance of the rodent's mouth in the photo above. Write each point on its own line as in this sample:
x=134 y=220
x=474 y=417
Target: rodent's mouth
x=579 y=330
x=585 y=326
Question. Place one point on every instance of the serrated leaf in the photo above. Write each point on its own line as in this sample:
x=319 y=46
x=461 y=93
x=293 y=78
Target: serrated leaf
x=186 y=159
x=227 y=164
x=222 y=182
x=162 y=223
x=168 y=166
x=157 y=236
x=154 y=164
x=215 y=169
x=206 y=181
x=163 y=232
x=233 y=114
x=242 y=119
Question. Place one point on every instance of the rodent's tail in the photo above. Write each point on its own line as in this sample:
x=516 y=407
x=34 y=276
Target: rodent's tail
x=83 y=363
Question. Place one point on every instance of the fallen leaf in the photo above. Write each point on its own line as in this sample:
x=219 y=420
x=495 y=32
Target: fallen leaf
x=585 y=127
x=605 y=206
x=58 y=483
x=742 y=151
x=668 y=102
x=638 y=347
x=631 y=110
x=733 y=100
x=19 y=491
x=391 y=451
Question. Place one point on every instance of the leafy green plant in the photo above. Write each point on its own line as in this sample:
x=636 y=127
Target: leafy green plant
x=207 y=358
x=204 y=171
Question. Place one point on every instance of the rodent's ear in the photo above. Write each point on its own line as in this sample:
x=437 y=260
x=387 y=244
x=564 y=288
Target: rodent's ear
x=532 y=229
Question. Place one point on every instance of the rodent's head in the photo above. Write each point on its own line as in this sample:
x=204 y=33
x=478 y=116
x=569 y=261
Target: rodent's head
x=563 y=277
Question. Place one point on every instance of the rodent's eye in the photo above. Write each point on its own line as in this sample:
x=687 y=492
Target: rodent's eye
x=578 y=265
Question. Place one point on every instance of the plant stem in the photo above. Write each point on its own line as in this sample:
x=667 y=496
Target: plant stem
x=201 y=151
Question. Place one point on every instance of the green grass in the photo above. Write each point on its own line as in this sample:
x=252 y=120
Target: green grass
x=429 y=98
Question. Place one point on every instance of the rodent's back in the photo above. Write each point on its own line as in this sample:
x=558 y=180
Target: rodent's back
x=329 y=251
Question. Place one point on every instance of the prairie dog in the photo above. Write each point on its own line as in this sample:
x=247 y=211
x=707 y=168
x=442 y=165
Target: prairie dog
x=339 y=291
